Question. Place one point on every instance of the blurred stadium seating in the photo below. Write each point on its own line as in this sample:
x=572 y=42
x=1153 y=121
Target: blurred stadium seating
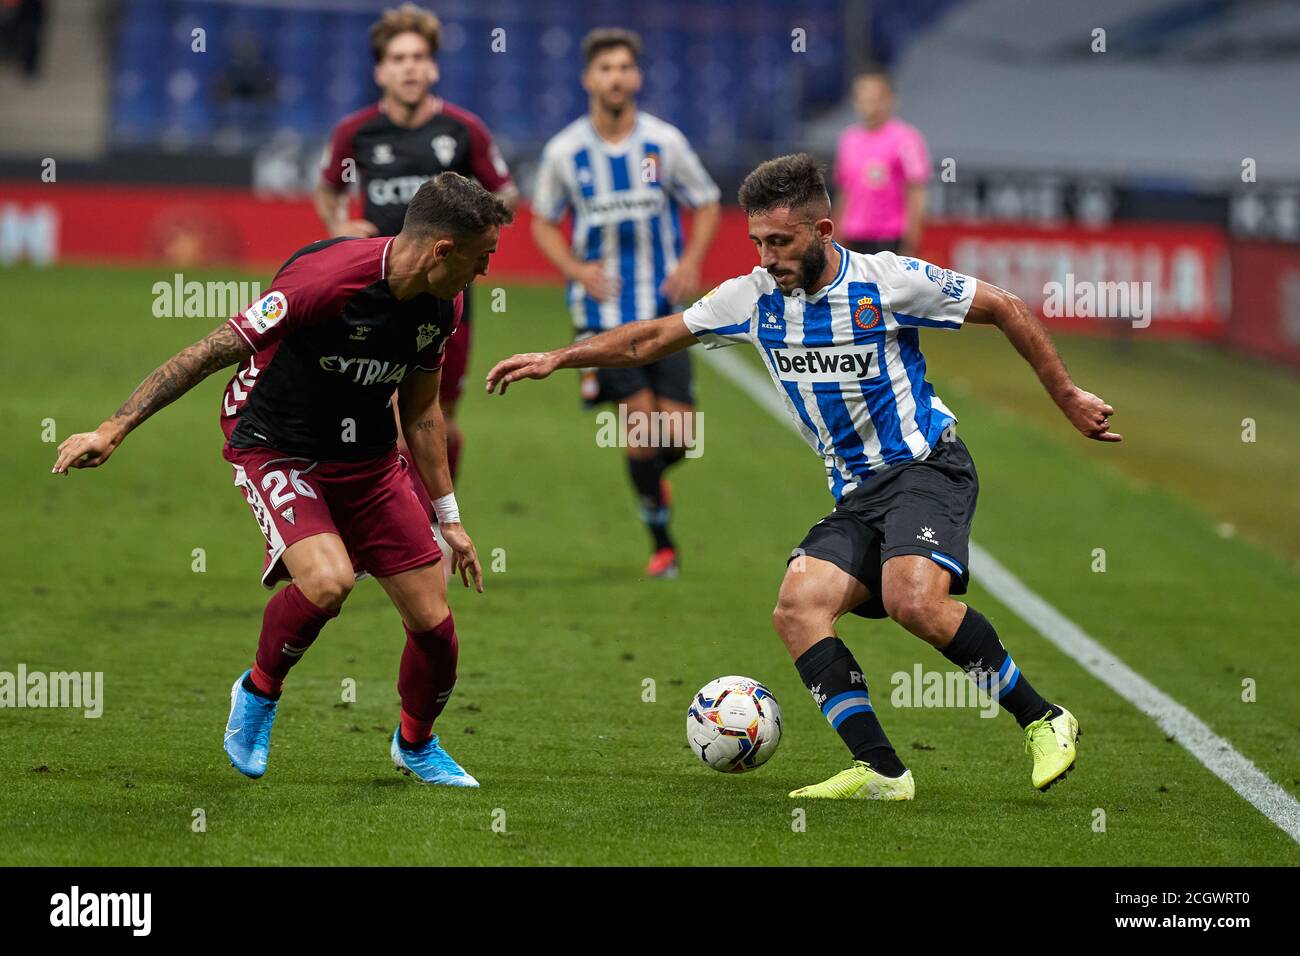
x=277 y=69
x=1126 y=164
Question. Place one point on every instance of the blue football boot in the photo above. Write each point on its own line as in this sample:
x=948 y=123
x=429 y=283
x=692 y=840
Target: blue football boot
x=430 y=764
x=248 y=732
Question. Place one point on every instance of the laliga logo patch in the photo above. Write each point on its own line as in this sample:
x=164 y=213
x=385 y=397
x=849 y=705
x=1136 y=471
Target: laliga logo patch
x=864 y=306
x=267 y=311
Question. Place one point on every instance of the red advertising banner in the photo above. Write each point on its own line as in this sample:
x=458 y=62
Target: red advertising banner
x=1170 y=280
x=193 y=227
x=1266 y=300
x=1161 y=279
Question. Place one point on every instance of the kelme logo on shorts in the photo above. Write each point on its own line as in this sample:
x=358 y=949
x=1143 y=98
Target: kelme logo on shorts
x=846 y=363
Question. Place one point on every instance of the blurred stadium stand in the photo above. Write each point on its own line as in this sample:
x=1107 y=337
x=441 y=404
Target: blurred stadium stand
x=1125 y=164
x=284 y=72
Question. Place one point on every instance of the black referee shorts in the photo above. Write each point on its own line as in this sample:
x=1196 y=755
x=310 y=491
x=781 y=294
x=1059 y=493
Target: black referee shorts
x=917 y=507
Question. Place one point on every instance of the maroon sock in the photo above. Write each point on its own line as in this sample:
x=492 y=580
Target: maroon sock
x=289 y=625
x=426 y=677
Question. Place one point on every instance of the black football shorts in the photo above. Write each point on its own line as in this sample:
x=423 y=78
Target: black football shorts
x=669 y=378
x=917 y=507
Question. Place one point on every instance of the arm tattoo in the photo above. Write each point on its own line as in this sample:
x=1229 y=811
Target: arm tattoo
x=427 y=425
x=182 y=372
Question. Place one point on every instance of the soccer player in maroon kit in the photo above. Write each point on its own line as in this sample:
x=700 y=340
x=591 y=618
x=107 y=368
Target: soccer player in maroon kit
x=393 y=146
x=311 y=436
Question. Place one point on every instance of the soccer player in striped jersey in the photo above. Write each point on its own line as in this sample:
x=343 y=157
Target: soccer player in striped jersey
x=624 y=174
x=839 y=334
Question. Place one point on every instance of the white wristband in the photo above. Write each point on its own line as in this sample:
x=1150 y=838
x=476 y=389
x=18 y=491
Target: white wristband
x=447 y=510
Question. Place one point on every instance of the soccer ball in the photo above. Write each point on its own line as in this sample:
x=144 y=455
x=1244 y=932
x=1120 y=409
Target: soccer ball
x=734 y=724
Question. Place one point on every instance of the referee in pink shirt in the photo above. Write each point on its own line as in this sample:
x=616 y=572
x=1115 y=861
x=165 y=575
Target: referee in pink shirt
x=881 y=168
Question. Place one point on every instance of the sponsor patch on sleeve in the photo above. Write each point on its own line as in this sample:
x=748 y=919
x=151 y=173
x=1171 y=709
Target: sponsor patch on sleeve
x=952 y=284
x=267 y=311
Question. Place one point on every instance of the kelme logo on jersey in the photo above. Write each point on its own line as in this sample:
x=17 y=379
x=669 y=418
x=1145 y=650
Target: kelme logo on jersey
x=866 y=313
x=267 y=311
x=847 y=363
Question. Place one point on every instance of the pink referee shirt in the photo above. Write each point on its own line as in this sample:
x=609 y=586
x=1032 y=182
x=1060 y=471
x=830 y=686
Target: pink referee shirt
x=873 y=167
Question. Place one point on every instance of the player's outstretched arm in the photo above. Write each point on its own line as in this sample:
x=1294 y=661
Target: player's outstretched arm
x=168 y=382
x=634 y=343
x=1086 y=412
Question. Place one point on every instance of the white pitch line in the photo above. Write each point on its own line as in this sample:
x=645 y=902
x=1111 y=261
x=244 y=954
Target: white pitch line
x=1216 y=753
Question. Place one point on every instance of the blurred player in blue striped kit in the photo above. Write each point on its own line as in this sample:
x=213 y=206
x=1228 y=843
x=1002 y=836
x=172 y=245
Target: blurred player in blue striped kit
x=839 y=334
x=624 y=175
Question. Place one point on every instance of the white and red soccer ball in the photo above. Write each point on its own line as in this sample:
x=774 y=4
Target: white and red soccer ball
x=734 y=724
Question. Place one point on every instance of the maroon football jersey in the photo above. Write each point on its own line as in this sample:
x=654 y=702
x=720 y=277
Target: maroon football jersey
x=331 y=342
x=392 y=161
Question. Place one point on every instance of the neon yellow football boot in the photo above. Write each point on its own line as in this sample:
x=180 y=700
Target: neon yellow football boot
x=860 y=782
x=1051 y=744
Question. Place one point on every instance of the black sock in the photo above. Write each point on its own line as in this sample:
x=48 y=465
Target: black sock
x=646 y=474
x=838 y=687
x=252 y=688
x=976 y=649
x=671 y=455
x=404 y=744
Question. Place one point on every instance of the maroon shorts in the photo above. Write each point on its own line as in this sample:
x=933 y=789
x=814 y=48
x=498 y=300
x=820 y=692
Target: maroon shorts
x=369 y=504
x=455 y=363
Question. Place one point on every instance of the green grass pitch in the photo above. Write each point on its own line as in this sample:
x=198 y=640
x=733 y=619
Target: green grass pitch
x=549 y=713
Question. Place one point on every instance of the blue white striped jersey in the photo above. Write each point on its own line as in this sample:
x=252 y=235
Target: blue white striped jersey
x=625 y=198
x=847 y=359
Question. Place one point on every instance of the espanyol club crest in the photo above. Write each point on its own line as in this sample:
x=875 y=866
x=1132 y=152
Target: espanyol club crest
x=444 y=147
x=383 y=155
x=866 y=313
x=424 y=335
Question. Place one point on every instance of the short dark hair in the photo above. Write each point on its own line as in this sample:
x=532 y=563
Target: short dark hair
x=609 y=38
x=874 y=73
x=451 y=203
x=787 y=182
x=408 y=18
